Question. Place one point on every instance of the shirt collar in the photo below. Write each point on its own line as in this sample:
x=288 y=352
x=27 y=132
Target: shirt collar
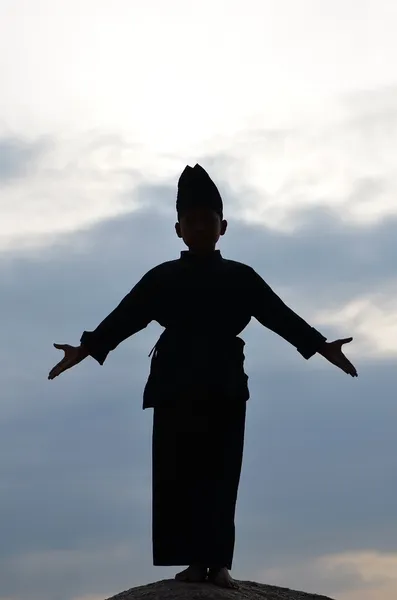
x=186 y=255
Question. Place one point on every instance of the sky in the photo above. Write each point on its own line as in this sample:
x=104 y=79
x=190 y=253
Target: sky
x=291 y=107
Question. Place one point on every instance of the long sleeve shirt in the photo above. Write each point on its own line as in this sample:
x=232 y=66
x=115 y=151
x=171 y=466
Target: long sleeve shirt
x=203 y=303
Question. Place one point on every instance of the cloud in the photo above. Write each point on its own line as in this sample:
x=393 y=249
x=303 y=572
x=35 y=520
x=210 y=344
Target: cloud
x=338 y=159
x=76 y=184
x=78 y=448
x=78 y=574
x=77 y=456
x=373 y=318
x=339 y=162
x=348 y=576
x=309 y=182
x=17 y=158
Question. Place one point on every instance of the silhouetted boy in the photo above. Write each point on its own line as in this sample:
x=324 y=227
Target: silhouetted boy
x=197 y=384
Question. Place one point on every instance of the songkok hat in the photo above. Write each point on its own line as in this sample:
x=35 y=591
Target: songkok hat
x=196 y=189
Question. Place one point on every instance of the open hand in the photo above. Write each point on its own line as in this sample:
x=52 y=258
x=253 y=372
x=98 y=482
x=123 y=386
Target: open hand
x=73 y=355
x=332 y=351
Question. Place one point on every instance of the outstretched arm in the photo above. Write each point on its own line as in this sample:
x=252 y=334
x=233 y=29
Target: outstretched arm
x=133 y=314
x=272 y=313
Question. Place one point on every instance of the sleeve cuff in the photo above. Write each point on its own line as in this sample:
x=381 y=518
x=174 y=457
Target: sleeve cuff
x=94 y=349
x=312 y=344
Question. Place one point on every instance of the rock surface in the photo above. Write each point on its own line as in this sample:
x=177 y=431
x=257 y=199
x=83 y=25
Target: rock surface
x=169 y=589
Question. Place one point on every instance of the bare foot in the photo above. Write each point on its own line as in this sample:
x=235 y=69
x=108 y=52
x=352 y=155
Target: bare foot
x=221 y=577
x=193 y=574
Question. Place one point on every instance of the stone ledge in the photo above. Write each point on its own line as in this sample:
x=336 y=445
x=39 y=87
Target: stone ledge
x=169 y=589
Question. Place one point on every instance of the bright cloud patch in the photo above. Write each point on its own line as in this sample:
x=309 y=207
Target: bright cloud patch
x=342 y=161
x=367 y=575
x=372 y=320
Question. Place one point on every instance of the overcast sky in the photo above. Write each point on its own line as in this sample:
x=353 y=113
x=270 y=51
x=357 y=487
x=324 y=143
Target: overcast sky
x=291 y=107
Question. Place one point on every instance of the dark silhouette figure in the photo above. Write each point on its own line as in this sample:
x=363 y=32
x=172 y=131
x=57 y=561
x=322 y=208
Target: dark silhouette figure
x=197 y=384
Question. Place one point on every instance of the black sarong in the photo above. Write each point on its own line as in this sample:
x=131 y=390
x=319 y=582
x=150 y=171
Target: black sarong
x=197 y=458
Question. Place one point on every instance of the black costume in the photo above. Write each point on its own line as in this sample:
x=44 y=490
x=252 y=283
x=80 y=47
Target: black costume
x=198 y=389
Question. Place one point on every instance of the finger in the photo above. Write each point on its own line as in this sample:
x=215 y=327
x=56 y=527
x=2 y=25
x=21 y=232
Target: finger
x=58 y=369
x=353 y=370
x=349 y=368
x=60 y=346
x=340 y=360
x=345 y=341
x=54 y=373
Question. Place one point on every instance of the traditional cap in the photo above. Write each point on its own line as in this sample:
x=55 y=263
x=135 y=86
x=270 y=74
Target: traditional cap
x=196 y=189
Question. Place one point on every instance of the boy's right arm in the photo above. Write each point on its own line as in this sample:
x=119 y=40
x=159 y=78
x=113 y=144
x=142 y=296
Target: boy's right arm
x=133 y=314
x=73 y=356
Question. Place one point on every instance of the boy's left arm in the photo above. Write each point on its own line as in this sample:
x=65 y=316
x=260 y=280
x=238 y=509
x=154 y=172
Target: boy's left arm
x=273 y=313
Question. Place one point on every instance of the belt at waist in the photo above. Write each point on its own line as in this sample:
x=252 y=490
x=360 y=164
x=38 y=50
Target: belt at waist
x=193 y=341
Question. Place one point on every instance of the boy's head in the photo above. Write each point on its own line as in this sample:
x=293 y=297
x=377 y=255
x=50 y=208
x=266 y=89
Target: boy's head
x=200 y=210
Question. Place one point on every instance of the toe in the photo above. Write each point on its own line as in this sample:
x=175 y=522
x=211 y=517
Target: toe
x=192 y=575
x=182 y=576
x=223 y=579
